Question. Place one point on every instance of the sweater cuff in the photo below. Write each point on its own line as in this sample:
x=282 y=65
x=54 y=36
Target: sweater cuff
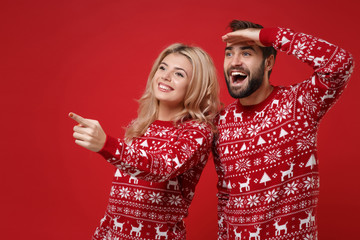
x=268 y=36
x=109 y=148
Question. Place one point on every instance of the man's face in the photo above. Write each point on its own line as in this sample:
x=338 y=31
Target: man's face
x=243 y=69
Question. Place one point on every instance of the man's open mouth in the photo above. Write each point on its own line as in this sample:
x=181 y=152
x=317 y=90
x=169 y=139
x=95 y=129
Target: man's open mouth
x=237 y=77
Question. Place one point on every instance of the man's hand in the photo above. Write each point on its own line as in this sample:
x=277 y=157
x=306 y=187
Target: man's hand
x=249 y=36
x=88 y=133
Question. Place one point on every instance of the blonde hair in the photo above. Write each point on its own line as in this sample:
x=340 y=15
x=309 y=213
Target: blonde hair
x=201 y=101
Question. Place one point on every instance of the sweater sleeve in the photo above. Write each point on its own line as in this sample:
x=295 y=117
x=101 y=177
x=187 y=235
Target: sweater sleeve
x=183 y=151
x=331 y=64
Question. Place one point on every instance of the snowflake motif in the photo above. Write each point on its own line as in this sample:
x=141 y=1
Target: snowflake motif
x=124 y=192
x=266 y=122
x=271 y=196
x=174 y=200
x=237 y=133
x=239 y=202
x=225 y=134
x=152 y=215
x=155 y=198
x=187 y=149
x=309 y=237
x=286 y=209
x=269 y=215
x=291 y=188
x=288 y=150
x=161 y=133
x=112 y=192
x=288 y=107
x=253 y=200
x=272 y=156
x=253 y=130
x=309 y=183
x=242 y=165
x=309 y=103
x=167 y=159
x=305 y=143
x=257 y=161
x=298 y=49
x=280 y=115
x=137 y=213
x=139 y=195
x=131 y=149
x=126 y=210
x=340 y=56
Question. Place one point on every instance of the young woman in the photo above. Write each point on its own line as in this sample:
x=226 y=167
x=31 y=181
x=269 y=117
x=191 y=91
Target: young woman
x=164 y=151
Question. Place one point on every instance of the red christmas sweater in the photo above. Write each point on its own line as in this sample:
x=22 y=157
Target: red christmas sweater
x=155 y=181
x=266 y=156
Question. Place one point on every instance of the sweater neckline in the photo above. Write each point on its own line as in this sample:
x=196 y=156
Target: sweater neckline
x=259 y=105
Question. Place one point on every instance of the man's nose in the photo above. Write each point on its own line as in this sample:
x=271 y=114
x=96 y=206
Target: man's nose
x=236 y=60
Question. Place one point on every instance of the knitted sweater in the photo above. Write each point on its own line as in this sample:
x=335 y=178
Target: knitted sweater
x=265 y=154
x=155 y=181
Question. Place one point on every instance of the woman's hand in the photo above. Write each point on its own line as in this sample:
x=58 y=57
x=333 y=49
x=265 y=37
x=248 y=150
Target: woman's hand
x=88 y=133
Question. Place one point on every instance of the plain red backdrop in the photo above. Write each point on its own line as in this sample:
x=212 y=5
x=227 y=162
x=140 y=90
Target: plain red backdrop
x=93 y=58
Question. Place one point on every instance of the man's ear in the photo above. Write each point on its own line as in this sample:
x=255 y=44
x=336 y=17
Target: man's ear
x=269 y=62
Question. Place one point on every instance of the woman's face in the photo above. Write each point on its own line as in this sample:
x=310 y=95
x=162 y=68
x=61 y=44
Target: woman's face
x=171 y=80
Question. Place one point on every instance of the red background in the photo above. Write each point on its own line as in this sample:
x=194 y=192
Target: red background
x=93 y=58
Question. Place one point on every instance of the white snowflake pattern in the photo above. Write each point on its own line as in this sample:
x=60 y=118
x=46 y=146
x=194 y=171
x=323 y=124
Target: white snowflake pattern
x=237 y=133
x=287 y=107
x=112 y=192
x=239 y=202
x=309 y=237
x=266 y=122
x=242 y=165
x=253 y=200
x=124 y=192
x=187 y=149
x=155 y=198
x=288 y=150
x=161 y=133
x=309 y=103
x=272 y=156
x=139 y=195
x=305 y=143
x=291 y=188
x=280 y=115
x=225 y=134
x=309 y=183
x=298 y=49
x=257 y=161
x=253 y=130
x=131 y=149
x=174 y=200
x=271 y=196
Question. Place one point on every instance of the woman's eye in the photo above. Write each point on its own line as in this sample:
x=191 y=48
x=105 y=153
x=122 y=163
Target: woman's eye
x=162 y=68
x=179 y=74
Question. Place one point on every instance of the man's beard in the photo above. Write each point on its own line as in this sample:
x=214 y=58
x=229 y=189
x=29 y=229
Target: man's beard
x=254 y=82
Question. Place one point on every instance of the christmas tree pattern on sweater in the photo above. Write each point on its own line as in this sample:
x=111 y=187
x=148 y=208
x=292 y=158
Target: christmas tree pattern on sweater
x=155 y=181
x=266 y=156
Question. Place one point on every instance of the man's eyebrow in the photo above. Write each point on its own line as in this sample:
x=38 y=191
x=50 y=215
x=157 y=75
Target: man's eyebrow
x=247 y=47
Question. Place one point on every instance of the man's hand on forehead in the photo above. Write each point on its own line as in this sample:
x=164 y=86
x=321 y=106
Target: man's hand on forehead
x=250 y=36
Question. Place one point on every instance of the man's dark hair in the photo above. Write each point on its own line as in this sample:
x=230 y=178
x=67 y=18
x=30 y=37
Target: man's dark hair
x=239 y=24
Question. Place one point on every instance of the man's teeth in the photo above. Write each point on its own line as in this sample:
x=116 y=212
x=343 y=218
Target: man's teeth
x=238 y=74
